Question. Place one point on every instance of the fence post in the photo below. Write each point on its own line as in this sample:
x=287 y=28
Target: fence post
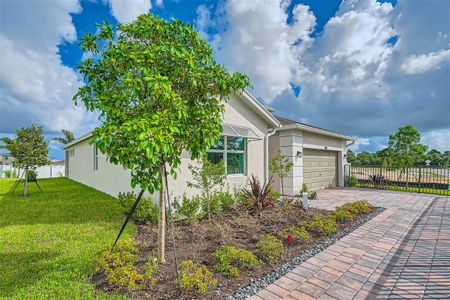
x=420 y=176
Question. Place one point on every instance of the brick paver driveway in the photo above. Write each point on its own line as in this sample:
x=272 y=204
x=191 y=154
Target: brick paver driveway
x=403 y=253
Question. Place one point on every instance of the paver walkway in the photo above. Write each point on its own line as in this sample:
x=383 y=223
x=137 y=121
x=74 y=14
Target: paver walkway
x=403 y=253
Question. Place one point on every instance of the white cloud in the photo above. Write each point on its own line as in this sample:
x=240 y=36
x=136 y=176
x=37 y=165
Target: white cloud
x=128 y=10
x=258 y=41
x=375 y=67
x=438 y=139
x=34 y=84
x=416 y=64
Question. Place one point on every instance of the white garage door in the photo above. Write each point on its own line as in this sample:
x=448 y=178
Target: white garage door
x=319 y=168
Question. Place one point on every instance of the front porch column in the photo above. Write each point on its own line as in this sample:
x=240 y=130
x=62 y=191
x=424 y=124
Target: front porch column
x=291 y=143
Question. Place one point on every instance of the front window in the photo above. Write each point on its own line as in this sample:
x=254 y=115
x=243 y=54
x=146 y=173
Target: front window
x=232 y=151
x=95 y=158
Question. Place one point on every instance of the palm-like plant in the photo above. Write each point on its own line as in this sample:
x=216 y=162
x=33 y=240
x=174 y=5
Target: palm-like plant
x=68 y=137
x=6 y=141
x=259 y=195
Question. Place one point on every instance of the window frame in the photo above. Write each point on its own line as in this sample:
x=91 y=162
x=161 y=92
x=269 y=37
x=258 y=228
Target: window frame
x=225 y=152
x=95 y=158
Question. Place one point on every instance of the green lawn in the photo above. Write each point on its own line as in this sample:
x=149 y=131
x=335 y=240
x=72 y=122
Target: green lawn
x=48 y=240
x=412 y=189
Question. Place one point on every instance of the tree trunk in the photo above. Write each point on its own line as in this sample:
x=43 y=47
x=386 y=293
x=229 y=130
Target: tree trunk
x=208 y=200
x=24 y=193
x=162 y=218
x=282 y=187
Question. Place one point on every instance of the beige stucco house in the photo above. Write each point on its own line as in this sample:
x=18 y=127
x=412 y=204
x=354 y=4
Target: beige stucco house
x=251 y=136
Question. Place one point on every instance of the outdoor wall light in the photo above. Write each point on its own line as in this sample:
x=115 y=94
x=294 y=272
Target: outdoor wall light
x=299 y=153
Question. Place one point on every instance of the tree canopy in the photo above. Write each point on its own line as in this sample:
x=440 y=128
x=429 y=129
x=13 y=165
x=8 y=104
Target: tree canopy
x=29 y=149
x=159 y=92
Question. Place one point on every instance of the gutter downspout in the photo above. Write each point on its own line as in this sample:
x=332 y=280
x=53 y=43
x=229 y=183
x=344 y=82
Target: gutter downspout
x=270 y=132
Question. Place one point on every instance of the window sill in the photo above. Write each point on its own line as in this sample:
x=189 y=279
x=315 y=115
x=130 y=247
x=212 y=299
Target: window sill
x=236 y=175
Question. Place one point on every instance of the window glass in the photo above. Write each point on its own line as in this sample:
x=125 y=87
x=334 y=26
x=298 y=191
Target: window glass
x=215 y=157
x=219 y=145
x=235 y=143
x=235 y=163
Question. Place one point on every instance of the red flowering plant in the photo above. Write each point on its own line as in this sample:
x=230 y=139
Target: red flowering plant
x=289 y=239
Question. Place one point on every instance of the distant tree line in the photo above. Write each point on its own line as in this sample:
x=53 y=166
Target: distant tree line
x=404 y=149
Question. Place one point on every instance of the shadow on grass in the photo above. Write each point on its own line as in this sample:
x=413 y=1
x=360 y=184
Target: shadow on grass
x=61 y=201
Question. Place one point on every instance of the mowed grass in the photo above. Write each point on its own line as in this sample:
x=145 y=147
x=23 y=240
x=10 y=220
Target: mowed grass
x=48 y=240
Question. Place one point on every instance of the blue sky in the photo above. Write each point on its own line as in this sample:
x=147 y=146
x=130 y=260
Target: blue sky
x=361 y=67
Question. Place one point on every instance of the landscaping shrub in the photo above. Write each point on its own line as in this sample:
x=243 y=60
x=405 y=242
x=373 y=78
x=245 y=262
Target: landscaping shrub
x=145 y=211
x=196 y=277
x=304 y=189
x=320 y=225
x=214 y=203
x=297 y=234
x=269 y=248
x=259 y=195
x=227 y=201
x=342 y=215
x=351 y=181
x=357 y=207
x=8 y=173
x=231 y=258
x=120 y=267
x=189 y=208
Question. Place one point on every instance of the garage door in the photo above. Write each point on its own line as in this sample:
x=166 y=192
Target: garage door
x=319 y=168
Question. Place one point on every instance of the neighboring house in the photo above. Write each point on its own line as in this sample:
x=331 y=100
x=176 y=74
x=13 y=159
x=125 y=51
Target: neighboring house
x=6 y=159
x=248 y=129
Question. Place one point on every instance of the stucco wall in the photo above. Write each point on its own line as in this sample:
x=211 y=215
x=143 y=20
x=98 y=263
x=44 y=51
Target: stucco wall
x=236 y=113
x=113 y=179
x=294 y=140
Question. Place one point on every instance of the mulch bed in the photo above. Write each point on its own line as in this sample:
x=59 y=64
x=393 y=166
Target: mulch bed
x=198 y=241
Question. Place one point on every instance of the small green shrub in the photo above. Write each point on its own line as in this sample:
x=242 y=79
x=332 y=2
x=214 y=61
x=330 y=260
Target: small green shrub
x=351 y=181
x=342 y=215
x=214 y=204
x=240 y=199
x=188 y=208
x=145 y=211
x=8 y=173
x=230 y=259
x=227 y=201
x=120 y=267
x=196 y=277
x=297 y=233
x=269 y=248
x=304 y=189
x=320 y=225
x=357 y=207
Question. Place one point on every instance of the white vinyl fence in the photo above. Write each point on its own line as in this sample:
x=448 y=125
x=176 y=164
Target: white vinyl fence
x=49 y=171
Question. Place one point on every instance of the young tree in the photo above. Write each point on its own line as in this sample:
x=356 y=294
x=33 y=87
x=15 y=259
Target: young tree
x=405 y=147
x=67 y=137
x=351 y=157
x=159 y=92
x=29 y=149
x=206 y=177
x=281 y=166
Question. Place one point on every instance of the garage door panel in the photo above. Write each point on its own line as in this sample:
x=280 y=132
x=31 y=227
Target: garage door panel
x=319 y=168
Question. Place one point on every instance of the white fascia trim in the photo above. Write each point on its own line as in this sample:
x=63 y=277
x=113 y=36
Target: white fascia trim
x=78 y=140
x=316 y=130
x=259 y=109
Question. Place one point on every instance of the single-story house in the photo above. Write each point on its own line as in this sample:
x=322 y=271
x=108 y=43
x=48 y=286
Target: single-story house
x=251 y=136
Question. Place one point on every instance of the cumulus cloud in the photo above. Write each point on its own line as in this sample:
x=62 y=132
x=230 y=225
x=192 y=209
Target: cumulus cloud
x=34 y=84
x=375 y=67
x=258 y=41
x=128 y=10
x=416 y=64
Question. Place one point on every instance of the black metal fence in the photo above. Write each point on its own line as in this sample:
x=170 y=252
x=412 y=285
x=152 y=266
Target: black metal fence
x=432 y=180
